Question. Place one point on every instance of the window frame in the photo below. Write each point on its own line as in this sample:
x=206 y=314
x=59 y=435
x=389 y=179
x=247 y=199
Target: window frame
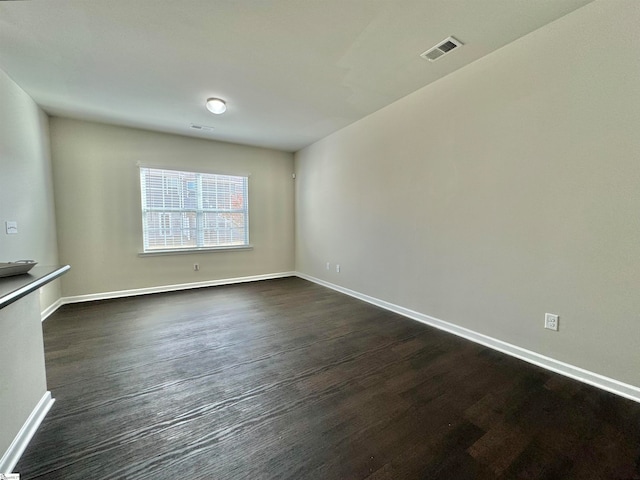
x=199 y=210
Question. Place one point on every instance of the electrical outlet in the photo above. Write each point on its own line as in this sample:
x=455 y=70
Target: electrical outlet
x=196 y=267
x=338 y=268
x=551 y=321
x=328 y=266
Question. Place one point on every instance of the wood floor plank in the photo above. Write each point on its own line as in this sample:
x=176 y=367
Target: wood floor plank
x=284 y=379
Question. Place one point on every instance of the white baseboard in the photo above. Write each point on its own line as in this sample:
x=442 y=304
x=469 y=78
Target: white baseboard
x=50 y=309
x=605 y=383
x=171 y=288
x=26 y=433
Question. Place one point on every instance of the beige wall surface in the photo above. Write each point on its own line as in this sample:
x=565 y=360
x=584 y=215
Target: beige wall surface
x=97 y=191
x=22 y=371
x=26 y=196
x=508 y=189
x=26 y=187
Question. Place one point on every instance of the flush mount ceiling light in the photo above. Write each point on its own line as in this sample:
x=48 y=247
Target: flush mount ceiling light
x=217 y=106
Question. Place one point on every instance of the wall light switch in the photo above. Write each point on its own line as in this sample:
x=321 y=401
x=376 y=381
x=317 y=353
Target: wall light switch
x=11 y=227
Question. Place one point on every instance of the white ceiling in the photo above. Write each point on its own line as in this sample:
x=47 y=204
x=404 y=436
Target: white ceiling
x=291 y=71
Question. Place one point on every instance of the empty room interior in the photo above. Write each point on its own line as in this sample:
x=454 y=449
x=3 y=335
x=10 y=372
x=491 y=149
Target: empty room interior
x=320 y=239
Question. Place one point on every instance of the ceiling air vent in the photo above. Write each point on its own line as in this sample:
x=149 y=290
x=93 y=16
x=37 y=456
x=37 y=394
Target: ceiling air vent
x=440 y=50
x=201 y=128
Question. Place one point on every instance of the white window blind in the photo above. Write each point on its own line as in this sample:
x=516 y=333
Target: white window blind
x=191 y=210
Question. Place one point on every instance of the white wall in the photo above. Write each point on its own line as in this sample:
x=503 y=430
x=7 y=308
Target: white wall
x=97 y=190
x=26 y=196
x=26 y=188
x=508 y=189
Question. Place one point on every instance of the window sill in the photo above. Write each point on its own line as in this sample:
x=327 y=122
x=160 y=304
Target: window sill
x=195 y=250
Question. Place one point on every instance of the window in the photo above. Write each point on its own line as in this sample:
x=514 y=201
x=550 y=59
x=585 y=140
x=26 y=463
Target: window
x=191 y=211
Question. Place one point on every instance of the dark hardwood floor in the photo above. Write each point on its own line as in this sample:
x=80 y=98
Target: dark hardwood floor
x=284 y=379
